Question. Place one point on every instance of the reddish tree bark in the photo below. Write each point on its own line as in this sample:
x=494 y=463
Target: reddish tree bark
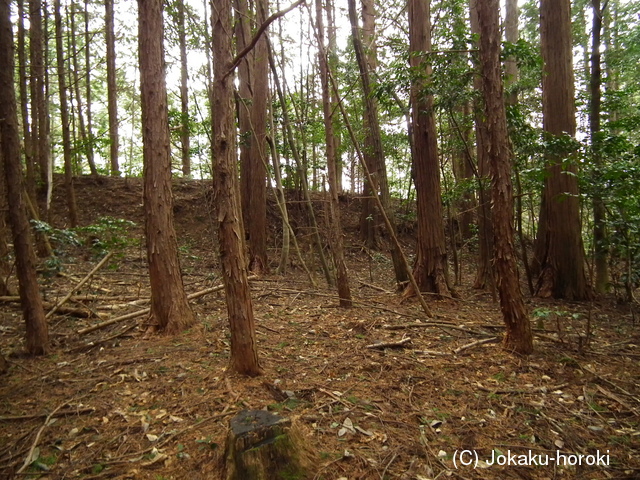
x=37 y=336
x=484 y=274
x=430 y=270
x=112 y=89
x=560 y=250
x=169 y=304
x=185 y=140
x=65 y=120
x=518 y=337
x=244 y=352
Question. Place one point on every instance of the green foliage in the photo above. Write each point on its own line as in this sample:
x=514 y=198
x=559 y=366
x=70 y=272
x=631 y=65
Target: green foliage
x=108 y=234
x=617 y=181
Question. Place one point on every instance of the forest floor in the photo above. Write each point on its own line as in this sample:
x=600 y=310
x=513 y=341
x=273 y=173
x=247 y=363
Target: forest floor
x=119 y=402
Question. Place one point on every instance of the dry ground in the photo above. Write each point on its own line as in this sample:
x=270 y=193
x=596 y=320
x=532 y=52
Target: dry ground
x=120 y=403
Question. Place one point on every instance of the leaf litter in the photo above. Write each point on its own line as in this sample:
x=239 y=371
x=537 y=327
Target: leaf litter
x=140 y=405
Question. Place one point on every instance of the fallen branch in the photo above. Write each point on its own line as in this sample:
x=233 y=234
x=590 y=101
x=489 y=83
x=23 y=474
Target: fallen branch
x=520 y=391
x=90 y=345
x=54 y=414
x=29 y=460
x=145 y=311
x=431 y=324
x=616 y=398
x=80 y=284
x=475 y=344
x=374 y=287
x=431 y=352
x=397 y=344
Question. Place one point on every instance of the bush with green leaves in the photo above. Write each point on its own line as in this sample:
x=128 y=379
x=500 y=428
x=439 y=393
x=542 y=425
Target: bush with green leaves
x=107 y=234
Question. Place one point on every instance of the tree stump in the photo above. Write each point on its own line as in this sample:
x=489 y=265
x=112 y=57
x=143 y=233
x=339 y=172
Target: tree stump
x=265 y=446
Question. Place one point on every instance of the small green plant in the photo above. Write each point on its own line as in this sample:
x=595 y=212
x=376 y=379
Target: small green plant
x=596 y=407
x=108 y=234
x=500 y=377
x=569 y=362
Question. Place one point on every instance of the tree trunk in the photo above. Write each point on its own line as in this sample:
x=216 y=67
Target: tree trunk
x=244 y=353
x=87 y=64
x=599 y=210
x=169 y=304
x=518 y=337
x=184 y=93
x=252 y=92
x=484 y=274
x=37 y=336
x=64 y=117
x=112 y=89
x=511 y=77
x=5 y=266
x=76 y=85
x=373 y=150
x=335 y=228
x=430 y=268
x=333 y=62
x=562 y=272
x=257 y=221
x=24 y=106
x=244 y=98
x=39 y=106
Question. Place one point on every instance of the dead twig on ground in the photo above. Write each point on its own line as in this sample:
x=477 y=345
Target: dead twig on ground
x=54 y=414
x=443 y=325
x=375 y=287
x=396 y=344
x=90 y=345
x=28 y=460
x=80 y=284
x=144 y=311
x=475 y=344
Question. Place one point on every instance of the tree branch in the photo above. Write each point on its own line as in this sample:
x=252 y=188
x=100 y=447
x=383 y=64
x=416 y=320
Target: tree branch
x=258 y=34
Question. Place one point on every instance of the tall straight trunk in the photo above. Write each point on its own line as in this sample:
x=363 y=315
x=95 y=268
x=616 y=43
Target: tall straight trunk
x=184 y=93
x=511 y=36
x=332 y=58
x=112 y=89
x=39 y=106
x=562 y=261
x=335 y=228
x=257 y=221
x=30 y=168
x=244 y=352
x=374 y=153
x=76 y=86
x=88 y=66
x=518 y=337
x=484 y=274
x=244 y=98
x=37 y=336
x=64 y=116
x=430 y=269
x=169 y=304
x=599 y=211
x=511 y=77
x=5 y=266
